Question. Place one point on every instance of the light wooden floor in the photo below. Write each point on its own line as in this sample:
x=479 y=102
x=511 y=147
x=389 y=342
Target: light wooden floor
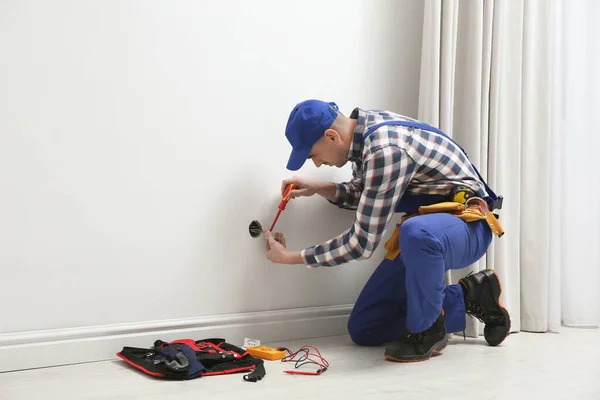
x=550 y=366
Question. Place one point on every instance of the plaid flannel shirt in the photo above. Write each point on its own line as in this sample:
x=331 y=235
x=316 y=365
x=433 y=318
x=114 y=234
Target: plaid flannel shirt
x=392 y=161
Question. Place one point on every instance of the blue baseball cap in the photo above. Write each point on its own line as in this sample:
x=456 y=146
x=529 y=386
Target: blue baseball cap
x=307 y=123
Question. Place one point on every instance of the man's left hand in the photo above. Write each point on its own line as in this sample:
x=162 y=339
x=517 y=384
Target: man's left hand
x=276 y=251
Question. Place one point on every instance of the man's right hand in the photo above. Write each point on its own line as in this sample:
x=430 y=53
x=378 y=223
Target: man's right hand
x=306 y=187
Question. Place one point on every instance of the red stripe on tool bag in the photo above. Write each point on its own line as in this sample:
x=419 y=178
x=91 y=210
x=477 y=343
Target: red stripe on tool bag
x=229 y=371
x=189 y=342
x=157 y=374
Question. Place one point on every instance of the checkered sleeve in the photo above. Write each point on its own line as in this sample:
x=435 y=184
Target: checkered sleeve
x=347 y=194
x=388 y=172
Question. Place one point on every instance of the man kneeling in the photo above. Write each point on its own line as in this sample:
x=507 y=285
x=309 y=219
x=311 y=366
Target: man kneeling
x=405 y=166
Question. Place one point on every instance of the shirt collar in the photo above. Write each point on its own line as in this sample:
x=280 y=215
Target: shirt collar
x=355 y=152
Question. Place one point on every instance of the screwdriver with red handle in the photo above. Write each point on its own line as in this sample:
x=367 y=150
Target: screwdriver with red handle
x=284 y=201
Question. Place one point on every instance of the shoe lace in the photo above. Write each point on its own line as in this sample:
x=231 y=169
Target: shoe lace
x=477 y=311
x=417 y=337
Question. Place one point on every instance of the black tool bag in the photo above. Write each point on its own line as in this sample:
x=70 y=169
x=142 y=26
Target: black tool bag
x=190 y=359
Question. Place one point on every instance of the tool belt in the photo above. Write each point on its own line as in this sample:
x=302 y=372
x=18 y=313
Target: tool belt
x=186 y=359
x=473 y=209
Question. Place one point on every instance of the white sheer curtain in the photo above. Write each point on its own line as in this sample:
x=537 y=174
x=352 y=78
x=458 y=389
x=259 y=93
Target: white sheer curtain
x=576 y=267
x=506 y=79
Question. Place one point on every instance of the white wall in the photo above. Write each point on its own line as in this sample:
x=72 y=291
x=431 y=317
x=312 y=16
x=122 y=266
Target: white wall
x=138 y=139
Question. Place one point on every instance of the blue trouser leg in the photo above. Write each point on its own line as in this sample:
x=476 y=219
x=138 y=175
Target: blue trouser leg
x=409 y=293
x=379 y=313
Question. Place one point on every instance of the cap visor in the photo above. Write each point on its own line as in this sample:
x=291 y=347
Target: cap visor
x=297 y=159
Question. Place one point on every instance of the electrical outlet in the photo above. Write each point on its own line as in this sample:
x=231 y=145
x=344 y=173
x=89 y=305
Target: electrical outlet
x=251 y=342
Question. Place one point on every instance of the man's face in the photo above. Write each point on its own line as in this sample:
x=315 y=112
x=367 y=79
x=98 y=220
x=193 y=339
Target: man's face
x=329 y=150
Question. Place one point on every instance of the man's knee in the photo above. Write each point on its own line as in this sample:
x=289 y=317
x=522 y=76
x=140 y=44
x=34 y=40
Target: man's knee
x=355 y=331
x=359 y=333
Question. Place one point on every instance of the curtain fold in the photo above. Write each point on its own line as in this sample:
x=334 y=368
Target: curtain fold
x=536 y=180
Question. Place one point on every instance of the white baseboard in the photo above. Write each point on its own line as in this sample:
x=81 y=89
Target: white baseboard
x=38 y=349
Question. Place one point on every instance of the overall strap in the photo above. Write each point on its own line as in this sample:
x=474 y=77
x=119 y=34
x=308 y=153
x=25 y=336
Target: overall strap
x=427 y=127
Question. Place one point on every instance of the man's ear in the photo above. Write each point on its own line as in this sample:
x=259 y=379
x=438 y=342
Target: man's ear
x=332 y=135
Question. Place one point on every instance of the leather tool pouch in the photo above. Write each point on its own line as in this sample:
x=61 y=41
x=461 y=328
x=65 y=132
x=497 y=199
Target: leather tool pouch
x=475 y=210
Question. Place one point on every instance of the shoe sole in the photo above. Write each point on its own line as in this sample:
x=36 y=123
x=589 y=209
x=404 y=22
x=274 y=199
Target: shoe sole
x=497 y=291
x=436 y=349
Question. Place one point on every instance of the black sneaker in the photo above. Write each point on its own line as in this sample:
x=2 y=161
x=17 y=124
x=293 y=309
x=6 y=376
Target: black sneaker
x=482 y=301
x=420 y=346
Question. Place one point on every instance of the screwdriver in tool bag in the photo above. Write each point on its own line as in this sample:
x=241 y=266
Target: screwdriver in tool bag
x=284 y=201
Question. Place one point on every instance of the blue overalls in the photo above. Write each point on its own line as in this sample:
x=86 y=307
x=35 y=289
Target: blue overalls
x=409 y=292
